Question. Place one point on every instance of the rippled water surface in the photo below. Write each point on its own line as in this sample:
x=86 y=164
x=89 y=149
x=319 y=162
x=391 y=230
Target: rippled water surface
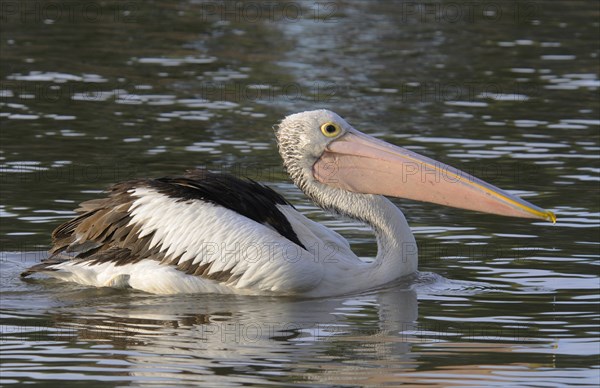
x=101 y=92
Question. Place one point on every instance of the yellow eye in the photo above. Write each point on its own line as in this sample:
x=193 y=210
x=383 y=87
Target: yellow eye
x=331 y=129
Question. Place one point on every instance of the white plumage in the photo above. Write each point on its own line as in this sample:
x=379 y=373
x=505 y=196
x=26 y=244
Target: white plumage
x=259 y=258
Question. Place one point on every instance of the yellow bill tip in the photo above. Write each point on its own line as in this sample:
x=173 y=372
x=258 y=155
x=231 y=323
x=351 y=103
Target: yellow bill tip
x=550 y=216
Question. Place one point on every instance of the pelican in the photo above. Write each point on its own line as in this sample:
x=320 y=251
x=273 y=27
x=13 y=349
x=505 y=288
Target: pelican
x=205 y=232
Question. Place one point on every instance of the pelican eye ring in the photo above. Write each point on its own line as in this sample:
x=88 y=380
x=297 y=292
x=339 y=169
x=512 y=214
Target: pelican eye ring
x=331 y=129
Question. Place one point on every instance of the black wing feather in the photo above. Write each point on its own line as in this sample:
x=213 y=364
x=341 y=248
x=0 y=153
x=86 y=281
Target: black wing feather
x=102 y=233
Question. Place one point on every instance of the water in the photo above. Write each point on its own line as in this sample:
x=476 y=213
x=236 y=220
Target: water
x=506 y=91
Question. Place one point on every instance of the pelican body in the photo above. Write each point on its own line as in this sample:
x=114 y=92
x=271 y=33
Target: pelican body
x=205 y=232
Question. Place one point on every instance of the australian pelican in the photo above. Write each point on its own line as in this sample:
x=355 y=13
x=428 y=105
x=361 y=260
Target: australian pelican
x=214 y=233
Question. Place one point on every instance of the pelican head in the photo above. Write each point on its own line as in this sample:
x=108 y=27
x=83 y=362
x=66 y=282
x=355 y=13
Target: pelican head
x=335 y=164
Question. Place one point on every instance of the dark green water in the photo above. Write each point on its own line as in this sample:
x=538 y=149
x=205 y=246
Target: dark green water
x=96 y=92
